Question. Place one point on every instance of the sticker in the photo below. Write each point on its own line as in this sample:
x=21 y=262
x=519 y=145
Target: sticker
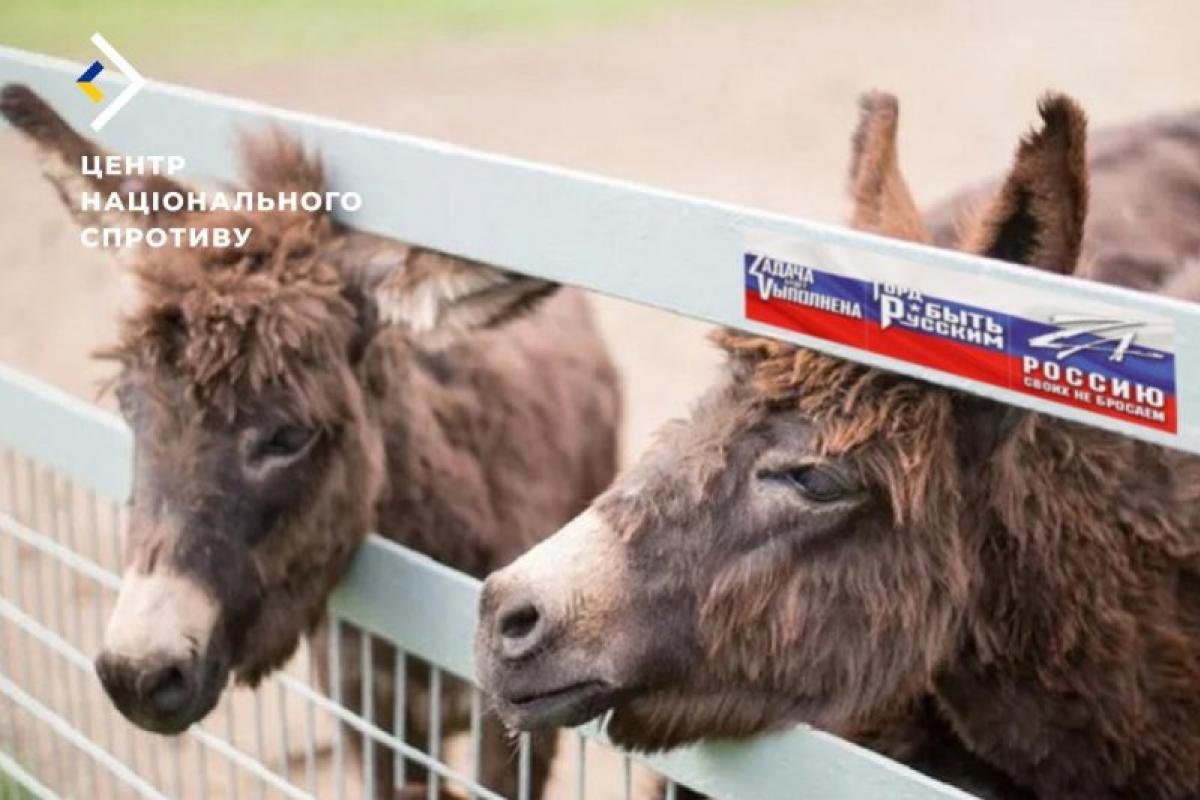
x=1079 y=353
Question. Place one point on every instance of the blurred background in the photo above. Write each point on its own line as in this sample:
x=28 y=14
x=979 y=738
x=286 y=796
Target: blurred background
x=750 y=102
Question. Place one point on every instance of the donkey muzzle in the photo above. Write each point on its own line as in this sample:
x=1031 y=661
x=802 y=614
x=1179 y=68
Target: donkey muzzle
x=159 y=694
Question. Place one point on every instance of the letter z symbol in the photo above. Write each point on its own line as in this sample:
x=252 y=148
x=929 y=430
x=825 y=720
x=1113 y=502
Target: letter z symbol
x=1118 y=347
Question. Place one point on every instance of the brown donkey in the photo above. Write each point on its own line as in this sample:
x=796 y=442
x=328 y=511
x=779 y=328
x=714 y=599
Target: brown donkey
x=1007 y=600
x=276 y=422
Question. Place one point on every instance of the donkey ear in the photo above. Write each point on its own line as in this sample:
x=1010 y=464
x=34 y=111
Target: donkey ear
x=439 y=298
x=882 y=201
x=435 y=298
x=1038 y=215
x=274 y=161
x=62 y=151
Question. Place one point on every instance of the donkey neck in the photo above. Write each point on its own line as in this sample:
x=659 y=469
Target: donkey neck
x=1081 y=663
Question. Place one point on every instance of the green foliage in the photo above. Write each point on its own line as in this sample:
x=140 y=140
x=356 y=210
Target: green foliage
x=159 y=32
x=10 y=789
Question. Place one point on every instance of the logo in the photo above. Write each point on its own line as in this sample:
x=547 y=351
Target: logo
x=86 y=84
x=1089 y=334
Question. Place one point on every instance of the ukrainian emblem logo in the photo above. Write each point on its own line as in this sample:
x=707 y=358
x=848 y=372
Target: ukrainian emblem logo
x=87 y=85
x=84 y=82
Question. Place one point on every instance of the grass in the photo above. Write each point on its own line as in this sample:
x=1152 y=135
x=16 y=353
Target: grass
x=242 y=32
x=10 y=789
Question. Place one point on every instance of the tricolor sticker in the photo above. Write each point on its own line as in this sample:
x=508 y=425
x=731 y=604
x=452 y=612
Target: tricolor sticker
x=1082 y=354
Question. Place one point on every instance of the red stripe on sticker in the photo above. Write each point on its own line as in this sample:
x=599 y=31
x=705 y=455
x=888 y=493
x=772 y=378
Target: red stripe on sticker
x=956 y=358
x=1164 y=419
x=812 y=321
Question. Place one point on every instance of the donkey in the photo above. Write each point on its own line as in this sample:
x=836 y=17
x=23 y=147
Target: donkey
x=1143 y=223
x=276 y=421
x=1008 y=600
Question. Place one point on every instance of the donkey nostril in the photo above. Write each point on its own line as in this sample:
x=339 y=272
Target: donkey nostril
x=519 y=622
x=520 y=629
x=168 y=690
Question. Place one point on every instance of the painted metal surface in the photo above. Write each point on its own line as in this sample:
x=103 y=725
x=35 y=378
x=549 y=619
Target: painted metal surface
x=654 y=247
x=93 y=448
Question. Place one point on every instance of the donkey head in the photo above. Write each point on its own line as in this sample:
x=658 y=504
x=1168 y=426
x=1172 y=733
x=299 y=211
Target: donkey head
x=250 y=376
x=800 y=548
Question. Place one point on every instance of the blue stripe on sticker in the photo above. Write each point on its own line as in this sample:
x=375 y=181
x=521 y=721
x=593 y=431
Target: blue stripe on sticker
x=1107 y=347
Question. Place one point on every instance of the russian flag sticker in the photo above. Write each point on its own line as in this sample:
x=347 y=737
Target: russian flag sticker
x=1078 y=353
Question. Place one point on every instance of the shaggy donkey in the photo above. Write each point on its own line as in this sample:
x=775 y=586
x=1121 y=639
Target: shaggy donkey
x=1143 y=222
x=276 y=422
x=1005 y=599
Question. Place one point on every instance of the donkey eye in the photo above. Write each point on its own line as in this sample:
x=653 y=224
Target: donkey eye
x=816 y=482
x=286 y=441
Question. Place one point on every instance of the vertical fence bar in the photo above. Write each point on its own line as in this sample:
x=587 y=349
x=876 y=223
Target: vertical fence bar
x=118 y=528
x=367 y=702
x=93 y=524
x=400 y=722
x=72 y=679
x=310 y=733
x=627 y=765
x=284 y=749
x=44 y=678
x=259 y=748
x=31 y=568
x=435 y=727
x=158 y=759
x=580 y=766
x=202 y=769
x=10 y=577
x=10 y=469
x=525 y=758
x=335 y=688
x=116 y=538
x=116 y=535
x=231 y=773
x=476 y=740
x=18 y=590
x=60 y=677
x=27 y=677
x=177 y=768
x=131 y=748
x=82 y=679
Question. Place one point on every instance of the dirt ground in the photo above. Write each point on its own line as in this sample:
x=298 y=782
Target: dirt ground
x=749 y=106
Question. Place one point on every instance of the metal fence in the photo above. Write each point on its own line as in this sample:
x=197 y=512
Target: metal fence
x=65 y=470
x=64 y=477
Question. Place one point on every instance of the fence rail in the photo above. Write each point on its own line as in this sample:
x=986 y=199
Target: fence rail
x=654 y=247
x=92 y=450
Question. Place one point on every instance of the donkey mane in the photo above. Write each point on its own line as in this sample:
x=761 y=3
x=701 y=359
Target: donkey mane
x=231 y=321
